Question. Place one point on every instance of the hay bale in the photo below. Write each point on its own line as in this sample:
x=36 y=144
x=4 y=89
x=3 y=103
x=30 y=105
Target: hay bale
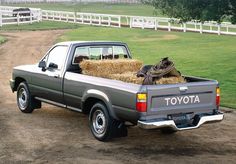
x=171 y=80
x=121 y=69
x=103 y=68
x=128 y=77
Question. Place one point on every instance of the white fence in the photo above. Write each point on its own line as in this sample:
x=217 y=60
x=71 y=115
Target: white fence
x=83 y=18
x=156 y=23
x=8 y=16
x=170 y=24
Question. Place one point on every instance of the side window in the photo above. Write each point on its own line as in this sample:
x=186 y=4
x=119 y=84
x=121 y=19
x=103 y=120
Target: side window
x=120 y=52
x=57 y=56
x=80 y=54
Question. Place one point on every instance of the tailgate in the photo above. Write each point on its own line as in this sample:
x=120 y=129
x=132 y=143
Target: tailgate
x=195 y=97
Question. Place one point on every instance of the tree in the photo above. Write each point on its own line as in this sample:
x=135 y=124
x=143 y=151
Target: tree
x=186 y=10
x=233 y=11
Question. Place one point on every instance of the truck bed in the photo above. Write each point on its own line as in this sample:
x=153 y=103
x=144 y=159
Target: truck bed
x=158 y=95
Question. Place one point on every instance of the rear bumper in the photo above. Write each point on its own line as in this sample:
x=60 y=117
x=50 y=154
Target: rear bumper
x=171 y=123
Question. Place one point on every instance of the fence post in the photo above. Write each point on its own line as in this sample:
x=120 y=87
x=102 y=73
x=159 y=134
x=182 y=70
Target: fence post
x=18 y=18
x=46 y=15
x=130 y=22
x=91 y=19
x=67 y=19
x=109 y=20
x=40 y=18
x=185 y=27
x=156 y=24
x=0 y=18
x=119 y=21
x=75 y=17
x=201 y=28
x=169 y=28
x=219 y=29
x=99 y=20
x=143 y=23
x=31 y=15
x=82 y=18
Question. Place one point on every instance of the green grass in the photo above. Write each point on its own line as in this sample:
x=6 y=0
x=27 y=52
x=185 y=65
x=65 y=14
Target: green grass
x=44 y=25
x=120 y=9
x=209 y=56
x=2 y=39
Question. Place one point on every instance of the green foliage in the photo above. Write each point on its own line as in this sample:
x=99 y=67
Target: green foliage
x=209 y=56
x=202 y=10
x=233 y=11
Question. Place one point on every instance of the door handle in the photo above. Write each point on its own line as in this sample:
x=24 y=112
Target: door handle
x=54 y=75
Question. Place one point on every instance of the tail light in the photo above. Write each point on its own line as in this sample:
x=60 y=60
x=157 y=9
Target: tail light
x=217 y=96
x=141 y=103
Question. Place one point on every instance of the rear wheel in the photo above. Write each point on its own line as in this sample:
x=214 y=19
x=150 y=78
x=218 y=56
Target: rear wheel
x=26 y=103
x=103 y=126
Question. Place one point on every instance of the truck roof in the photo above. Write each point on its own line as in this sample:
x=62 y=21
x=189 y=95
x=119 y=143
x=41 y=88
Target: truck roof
x=68 y=43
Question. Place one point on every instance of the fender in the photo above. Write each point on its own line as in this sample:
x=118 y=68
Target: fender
x=93 y=93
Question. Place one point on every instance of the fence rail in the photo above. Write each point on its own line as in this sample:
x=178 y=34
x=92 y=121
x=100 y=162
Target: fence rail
x=170 y=24
x=155 y=23
x=8 y=16
x=83 y=18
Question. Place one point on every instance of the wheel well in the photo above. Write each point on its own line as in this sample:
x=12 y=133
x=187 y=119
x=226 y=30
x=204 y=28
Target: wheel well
x=18 y=80
x=88 y=104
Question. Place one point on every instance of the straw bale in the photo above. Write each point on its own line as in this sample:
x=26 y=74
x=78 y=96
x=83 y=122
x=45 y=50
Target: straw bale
x=121 y=69
x=171 y=80
x=102 y=68
x=129 y=77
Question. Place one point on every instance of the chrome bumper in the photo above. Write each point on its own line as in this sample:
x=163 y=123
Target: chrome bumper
x=171 y=123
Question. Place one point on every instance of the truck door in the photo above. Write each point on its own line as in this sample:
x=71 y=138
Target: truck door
x=48 y=83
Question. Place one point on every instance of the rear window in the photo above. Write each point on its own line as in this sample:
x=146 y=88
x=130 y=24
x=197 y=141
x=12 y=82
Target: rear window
x=99 y=53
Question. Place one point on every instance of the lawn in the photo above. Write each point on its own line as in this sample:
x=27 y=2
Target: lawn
x=206 y=55
x=120 y=9
x=44 y=25
x=2 y=39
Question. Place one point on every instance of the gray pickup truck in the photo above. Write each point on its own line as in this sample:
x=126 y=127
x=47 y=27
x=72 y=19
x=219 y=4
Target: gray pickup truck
x=111 y=104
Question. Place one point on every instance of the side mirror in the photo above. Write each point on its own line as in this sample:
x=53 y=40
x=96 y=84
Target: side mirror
x=53 y=65
x=42 y=64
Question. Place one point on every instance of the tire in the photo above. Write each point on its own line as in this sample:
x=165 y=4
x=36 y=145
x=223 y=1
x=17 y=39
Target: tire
x=103 y=126
x=26 y=103
x=168 y=131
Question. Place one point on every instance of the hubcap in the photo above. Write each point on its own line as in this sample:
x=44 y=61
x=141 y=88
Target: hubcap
x=22 y=98
x=99 y=122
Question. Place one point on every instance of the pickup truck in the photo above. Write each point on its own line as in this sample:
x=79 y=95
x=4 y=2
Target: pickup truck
x=112 y=105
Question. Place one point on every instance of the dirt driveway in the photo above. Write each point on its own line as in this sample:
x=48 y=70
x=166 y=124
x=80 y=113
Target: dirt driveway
x=55 y=135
